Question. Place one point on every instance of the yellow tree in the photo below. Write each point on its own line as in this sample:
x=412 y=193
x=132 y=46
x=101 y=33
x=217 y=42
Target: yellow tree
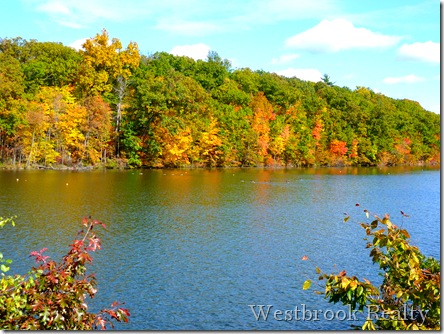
x=104 y=62
x=54 y=123
x=33 y=131
x=210 y=144
x=106 y=70
x=279 y=143
x=174 y=147
x=97 y=129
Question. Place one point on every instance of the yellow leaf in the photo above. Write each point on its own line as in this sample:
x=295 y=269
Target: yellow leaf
x=344 y=282
x=306 y=285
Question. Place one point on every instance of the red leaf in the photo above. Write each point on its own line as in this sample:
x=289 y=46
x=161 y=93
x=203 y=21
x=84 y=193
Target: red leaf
x=94 y=243
x=102 y=323
x=38 y=255
x=124 y=311
x=113 y=314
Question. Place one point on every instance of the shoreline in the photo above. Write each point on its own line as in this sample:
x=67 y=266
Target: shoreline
x=104 y=167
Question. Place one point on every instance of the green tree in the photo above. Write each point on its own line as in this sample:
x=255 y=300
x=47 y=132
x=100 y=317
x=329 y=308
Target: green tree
x=326 y=79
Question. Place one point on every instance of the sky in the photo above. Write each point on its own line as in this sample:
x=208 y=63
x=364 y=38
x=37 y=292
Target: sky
x=389 y=46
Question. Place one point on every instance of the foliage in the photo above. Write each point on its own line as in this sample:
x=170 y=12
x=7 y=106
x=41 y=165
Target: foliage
x=410 y=294
x=118 y=99
x=4 y=263
x=54 y=295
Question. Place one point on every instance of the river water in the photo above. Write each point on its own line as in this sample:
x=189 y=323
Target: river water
x=192 y=249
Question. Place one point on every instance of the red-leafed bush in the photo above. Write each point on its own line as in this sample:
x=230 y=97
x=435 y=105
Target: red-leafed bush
x=54 y=295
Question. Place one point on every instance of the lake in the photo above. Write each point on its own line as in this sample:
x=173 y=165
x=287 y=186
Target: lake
x=191 y=249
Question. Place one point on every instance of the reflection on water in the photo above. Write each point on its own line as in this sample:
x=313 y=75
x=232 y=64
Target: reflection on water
x=191 y=249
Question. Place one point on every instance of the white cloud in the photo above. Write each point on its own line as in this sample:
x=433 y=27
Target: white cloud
x=70 y=24
x=191 y=17
x=82 y=13
x=409 y=79
x=195 y=51
x=260 y=12
x=427 y=51
x=284 y=58
x=338 y=35
x=308 y=74
x=54 y=7
x=78 y=44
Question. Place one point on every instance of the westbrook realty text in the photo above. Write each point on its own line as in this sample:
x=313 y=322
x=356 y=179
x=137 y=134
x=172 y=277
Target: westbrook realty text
x=302 y=313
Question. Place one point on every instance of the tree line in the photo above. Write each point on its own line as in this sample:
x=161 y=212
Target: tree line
x=106 y=105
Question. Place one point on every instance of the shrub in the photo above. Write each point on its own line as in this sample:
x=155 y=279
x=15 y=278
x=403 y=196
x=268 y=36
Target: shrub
x=410 y=295
x=54 y=295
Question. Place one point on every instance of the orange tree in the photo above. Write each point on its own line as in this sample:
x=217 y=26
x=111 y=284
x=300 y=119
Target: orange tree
x=410 y=294
x=54 y=295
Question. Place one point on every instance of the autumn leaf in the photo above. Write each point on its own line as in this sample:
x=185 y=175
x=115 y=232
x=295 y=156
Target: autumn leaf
x=304 y=258
x=306 y=285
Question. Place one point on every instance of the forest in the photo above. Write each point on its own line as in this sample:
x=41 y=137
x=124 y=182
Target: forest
x=109 y=106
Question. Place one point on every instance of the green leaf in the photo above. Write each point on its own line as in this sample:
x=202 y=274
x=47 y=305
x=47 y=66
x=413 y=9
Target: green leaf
x=4 y=268
x=306 y=285
x=374 y=224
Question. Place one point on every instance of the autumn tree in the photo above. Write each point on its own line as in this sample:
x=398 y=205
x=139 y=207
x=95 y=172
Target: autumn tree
x=32 y=133
x=210 y=145
x=260 y=117
x=96 y=129
x=104 y=61
x=106 y=70
x=262 y=114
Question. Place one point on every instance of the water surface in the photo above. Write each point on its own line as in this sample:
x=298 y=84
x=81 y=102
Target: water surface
x=191 y=249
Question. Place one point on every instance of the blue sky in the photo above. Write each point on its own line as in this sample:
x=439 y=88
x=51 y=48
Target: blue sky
x=389 y=46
